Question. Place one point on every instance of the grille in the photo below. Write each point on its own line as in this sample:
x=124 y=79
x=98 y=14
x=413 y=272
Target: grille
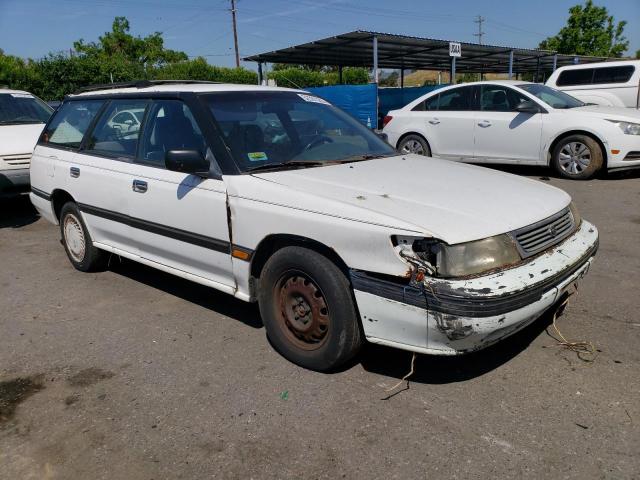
x=544 y=234
x=18 y=160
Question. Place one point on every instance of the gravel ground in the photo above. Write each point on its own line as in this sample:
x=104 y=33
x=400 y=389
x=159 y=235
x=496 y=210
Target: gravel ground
x=135 y=374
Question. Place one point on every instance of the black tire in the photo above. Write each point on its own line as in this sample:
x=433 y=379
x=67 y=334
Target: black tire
x=414 y=144
x=308 y=309
x=77 y=241
x=577 y=157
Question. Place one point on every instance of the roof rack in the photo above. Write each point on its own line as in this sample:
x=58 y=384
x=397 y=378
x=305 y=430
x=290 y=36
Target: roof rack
x=138 y=84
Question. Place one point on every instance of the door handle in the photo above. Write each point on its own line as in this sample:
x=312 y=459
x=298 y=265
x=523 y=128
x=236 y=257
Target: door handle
x=434 y=121
x=74 y=172
x=484 y=124
x=139 y=186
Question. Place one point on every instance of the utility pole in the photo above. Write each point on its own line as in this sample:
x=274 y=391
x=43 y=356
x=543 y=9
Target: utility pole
x=235 y=31
x=479 y=20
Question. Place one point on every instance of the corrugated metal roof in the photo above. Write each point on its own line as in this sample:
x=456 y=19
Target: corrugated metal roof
x=355 y=49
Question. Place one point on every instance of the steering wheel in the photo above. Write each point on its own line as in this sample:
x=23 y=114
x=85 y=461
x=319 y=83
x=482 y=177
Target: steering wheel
x=319 y=140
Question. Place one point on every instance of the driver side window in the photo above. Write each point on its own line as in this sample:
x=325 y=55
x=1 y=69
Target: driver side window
x=496 y=98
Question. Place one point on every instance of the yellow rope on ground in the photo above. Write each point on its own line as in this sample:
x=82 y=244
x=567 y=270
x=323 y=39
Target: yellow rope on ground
x=586 y=351
x=413 y=360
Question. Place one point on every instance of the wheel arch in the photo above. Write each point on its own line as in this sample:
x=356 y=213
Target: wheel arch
x=58 y=198
x=406 y=134
x=587 y=133
x=274 y=242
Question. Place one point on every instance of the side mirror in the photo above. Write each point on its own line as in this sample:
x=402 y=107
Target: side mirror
x=187 y=161
x=528 y=106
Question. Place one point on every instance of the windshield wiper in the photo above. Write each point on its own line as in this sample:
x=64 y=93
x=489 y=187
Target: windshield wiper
x=18 y=122
x=360 y=158
x=285 y=166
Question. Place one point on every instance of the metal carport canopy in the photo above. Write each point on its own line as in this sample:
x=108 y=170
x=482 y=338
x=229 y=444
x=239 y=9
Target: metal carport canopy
x=356 y=49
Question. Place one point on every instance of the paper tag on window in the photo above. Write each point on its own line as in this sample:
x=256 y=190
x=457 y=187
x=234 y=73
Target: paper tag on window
x=21 y=95
x=257 y=156
x=312 y=98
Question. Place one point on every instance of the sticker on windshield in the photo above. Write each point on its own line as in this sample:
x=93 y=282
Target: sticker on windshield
x=257 y=156
x=21 y=95
x=311 y=98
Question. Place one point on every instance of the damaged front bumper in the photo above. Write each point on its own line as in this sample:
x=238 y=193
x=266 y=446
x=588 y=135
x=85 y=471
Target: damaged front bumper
x=449 y=316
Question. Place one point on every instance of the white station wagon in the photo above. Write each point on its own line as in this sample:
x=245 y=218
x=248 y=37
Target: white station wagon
x=276 y=196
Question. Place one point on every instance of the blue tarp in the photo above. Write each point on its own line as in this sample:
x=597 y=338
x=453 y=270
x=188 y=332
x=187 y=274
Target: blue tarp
x=359 y=100
x=395 y=98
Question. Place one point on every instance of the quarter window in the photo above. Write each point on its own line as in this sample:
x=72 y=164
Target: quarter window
x=70 y=123
x=116 y=133
x=170 y=126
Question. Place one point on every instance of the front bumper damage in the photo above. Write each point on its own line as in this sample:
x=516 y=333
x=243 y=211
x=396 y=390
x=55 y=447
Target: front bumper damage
x=455 y=316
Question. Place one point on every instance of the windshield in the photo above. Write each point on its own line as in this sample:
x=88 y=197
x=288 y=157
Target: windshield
x=265 y=130
x=552 y=97
x=19 y=108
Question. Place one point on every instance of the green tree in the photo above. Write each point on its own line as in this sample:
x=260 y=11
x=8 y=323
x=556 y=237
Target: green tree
x=590 y=30
x=637 y=53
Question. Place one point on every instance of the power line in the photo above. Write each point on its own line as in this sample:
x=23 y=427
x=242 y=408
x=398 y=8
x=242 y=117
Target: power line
x=479 y=20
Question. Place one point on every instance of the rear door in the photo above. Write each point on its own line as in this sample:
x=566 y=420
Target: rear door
x=448 y=120
x=503 y=135
x=179 y=220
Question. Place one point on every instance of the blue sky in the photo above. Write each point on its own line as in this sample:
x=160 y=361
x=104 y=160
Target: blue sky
x=32 y=28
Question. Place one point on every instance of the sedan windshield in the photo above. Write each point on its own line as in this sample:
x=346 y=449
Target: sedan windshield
x=265 y=130
x=20 y=108
x=552 y=97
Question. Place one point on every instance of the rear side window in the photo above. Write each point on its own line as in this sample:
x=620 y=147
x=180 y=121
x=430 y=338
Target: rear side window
x=170 y=126
x=70 y=123
x=117 y=130
x=456 y=99
x=613 y=74
x=590 y=76
x=430 y=103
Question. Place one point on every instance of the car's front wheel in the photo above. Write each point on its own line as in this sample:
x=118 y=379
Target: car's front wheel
x=308 y=309
x=577 y=157
x=414 y=144
x=77 y=241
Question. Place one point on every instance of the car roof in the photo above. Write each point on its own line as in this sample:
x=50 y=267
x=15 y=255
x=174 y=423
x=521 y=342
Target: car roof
x=186 y=87
x=8 y=90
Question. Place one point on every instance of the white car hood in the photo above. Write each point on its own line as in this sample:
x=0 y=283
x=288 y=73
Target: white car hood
x=608 y=113
x=450 y=201
x=19 y=139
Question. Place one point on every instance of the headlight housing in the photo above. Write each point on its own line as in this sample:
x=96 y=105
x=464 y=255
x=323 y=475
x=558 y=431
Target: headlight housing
x=577 y=219
x=463 y=259
x=627 y=128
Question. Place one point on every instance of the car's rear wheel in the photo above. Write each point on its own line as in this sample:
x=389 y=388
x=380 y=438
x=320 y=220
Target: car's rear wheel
x=77 y=241
x=577 y=157
x=414 y=144
x=308 y=309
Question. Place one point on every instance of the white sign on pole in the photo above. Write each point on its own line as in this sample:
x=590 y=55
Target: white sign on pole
x=455 y=50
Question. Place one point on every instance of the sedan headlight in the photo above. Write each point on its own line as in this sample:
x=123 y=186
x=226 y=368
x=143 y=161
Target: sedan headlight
x=627 y=128
x=463 y=259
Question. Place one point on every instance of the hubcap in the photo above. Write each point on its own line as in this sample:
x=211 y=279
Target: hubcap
x=575 y=157
x=413 y=146
x=303 y=312
x=74 y=237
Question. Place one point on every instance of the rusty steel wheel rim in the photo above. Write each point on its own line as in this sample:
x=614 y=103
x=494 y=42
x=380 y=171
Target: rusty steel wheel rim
x=303 y=315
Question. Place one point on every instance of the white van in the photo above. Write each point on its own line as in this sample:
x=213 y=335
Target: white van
x=22 y=118
x=615 y=84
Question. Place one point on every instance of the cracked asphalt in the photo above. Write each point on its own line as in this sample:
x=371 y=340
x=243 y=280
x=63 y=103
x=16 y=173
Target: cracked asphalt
x=134 y=374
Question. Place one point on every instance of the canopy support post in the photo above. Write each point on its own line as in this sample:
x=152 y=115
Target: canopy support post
x=375 y=59
x=340 y=74
x=510 y=64
x=402 y=78
x=555 y=62
x=260 y=76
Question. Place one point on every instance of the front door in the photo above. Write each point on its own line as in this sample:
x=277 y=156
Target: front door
x=179 y=220
x=502 y=134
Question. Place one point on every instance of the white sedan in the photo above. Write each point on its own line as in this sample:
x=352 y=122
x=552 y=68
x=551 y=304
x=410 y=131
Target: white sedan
x=515 y=122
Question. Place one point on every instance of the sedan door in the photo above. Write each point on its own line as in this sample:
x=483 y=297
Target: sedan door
x=179 y=220
x=502 y=134
x=448 y=121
